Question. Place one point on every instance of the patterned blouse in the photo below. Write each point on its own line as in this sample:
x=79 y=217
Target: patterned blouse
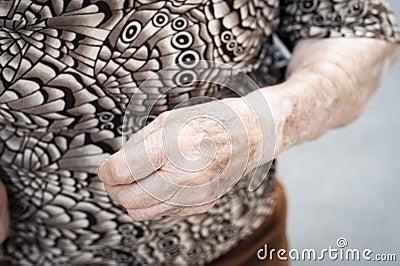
x=67 y=72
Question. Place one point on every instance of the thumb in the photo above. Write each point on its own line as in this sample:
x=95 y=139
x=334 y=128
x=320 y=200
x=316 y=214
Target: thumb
x=141 y=156
x=4 y=215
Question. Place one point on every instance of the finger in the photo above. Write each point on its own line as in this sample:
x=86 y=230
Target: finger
x=114 y=166
x=153 y=212
x=140 y=157
x=196 y=209
x=131 y=196
x=143 y=194
x=4 y=214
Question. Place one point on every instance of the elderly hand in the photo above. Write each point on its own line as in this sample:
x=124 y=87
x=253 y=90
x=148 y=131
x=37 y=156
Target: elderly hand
x=4 y=216
x=183 y=161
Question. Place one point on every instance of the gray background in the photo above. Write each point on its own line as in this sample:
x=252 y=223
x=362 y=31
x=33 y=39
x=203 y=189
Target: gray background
x=347 y=183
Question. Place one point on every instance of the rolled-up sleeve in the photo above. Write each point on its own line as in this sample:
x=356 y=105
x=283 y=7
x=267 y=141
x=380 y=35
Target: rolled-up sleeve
x=337 y=18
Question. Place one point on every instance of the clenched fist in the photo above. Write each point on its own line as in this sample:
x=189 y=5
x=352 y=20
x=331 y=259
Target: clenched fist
x=182 y=162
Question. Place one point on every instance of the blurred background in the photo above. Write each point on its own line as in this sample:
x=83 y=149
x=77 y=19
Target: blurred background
x=347 y=183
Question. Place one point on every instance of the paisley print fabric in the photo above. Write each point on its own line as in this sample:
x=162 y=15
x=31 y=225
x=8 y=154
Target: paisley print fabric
x=67 y=72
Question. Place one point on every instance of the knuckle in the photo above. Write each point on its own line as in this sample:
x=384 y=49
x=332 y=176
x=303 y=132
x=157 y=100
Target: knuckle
x=116 y=169
x=162 y=116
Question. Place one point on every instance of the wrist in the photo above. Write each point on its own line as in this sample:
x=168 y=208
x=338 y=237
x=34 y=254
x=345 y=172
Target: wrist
x=251 y=123
x=256 y=117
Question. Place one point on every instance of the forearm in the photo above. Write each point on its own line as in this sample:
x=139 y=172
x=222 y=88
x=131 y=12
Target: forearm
x=329 y=82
